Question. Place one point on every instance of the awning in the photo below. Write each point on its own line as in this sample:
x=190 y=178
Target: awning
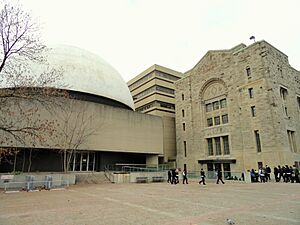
x=205 y=161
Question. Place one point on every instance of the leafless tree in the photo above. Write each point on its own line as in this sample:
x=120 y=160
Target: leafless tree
x=22 y=90
x=75 y=128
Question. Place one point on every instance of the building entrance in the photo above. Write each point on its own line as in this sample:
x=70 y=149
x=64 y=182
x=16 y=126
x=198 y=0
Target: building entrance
x=83 y=161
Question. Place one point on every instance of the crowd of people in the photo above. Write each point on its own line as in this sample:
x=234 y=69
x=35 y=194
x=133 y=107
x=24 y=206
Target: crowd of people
x=285 y=173
x=173 y=176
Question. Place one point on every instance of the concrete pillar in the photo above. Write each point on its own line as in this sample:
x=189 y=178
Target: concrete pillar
x=152 y=159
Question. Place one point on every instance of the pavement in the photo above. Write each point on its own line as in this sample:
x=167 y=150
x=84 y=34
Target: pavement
x=155 y=204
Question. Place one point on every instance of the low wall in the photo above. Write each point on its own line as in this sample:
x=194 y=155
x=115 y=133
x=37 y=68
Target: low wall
x=19 y=181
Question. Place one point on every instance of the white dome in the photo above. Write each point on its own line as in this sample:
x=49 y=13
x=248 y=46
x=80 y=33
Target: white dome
x=86 y=72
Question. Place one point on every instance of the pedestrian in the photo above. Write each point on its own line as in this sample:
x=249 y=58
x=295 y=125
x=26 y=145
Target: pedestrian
x=184 y=175
x=297 y=174
x=173 y=181
x=276 y=173
x=268 y=173
x=177 y=175
x=261 y=173
x=169 y=176
x=219 y=175
x=280 y=173
x=202 y=177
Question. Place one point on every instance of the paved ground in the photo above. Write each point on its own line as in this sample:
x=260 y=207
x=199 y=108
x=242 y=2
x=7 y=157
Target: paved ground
x=155 y=203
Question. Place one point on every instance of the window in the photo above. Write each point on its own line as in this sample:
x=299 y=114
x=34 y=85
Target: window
x=250 y=91
x=223 y=103
x=210 y=146
x=182 y=97
x=182 y=112
x=216 y=105
x=253 y=111
x=286 y=111
x=218 y=145
x=208 y=107
x=283 y=93
x=257 y=139
x=248 y=71
x=298 y=100
x=292 y=141
x=217 y=120
x=184 y=147
x=226 y=145
x=183 y=126
x=224 y=118
x=209 y=122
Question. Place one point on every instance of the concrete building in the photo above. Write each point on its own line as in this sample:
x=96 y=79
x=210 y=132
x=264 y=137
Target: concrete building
x=97 y=89
x=238 y=109
x=153 y=93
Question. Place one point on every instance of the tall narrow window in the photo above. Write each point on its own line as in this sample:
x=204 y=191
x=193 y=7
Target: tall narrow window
x=286 y=111
x=210 y=146
x=183 y=126
x=298 y=100
x=184 y=148
x=182 y=97
x=253 y=111
x=225 y=118
x=208 y=107
x=218 y=145
x=216 y=105
x=223 y=103
x=251 y=93
x=292 y=141
x=248 y=71
x=257 y=139
x=209 y=122
x=226 y=145
x=182 y=112
x=283 y=93
x=217 y=120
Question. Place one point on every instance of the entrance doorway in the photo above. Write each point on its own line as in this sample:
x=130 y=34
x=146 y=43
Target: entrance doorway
x=83 y=161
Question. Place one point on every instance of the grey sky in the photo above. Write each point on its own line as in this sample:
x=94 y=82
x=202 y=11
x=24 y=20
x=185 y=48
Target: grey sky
x=134 y=34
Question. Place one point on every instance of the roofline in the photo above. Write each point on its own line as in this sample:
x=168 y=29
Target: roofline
x=153 y=68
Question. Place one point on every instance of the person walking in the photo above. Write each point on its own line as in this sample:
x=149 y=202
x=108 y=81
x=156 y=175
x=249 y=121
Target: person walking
x=202 y=176
x=268 y=173
x=219 y=175
x=184 y=176
x=169 y=176
x=276 y=173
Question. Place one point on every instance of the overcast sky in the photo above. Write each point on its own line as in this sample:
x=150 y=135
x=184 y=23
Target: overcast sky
x=132 y=35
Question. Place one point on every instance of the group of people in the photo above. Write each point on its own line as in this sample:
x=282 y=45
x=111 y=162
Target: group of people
x=173 y=176
x=287 y=173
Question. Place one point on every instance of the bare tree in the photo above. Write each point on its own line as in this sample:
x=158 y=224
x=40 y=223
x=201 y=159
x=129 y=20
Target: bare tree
x=22 y=90
x=76 y=127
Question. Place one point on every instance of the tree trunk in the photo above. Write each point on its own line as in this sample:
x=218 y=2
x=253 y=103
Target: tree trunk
x=15 y=161
x=29 y=161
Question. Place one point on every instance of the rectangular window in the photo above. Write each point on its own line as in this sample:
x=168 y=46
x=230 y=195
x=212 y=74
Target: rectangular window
x=292 y=140
x=286 y=111
x=253 y=111
x=298 y=100
x=210 y=146
x=257 y=139
x=182 y=112
x=208 y=107
x=218 y=145
x=248 y=71
x=250 y=91
x=226 y=145
x=217 y=120
x=184 y=147
x=209 y=122
x=283 y=93
x=260 y=165
x=216 y=105
x=223 y=103
x=182 y=97
x=183 y=126
x=224 y=118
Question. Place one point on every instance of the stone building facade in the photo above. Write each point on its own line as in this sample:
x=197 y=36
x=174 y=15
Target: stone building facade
x=239 y=109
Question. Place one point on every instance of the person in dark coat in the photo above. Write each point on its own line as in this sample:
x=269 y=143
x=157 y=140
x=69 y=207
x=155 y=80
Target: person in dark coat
x=173 y=181
x=169 y=176
x=276 y=173
x=184 y=176
x=280 y=173
x=219 y=175
x=202 y=176
x=268 y=173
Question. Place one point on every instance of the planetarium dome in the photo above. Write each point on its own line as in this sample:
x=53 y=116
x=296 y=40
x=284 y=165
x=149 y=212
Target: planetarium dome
x=85 y=72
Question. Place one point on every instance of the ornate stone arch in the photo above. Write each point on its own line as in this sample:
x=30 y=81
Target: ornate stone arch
x=213 y=88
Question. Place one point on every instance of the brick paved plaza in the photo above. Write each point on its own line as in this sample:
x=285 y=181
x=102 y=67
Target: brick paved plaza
x=155 y=203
